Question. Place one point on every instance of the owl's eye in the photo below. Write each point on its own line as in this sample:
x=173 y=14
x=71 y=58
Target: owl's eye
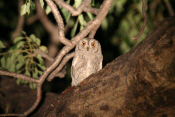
x=83 y=43
x=93 y=44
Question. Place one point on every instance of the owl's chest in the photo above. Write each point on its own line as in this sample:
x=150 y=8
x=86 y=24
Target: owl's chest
x=90 y=61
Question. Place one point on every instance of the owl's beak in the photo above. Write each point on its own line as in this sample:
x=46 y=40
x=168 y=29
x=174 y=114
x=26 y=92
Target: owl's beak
x=87 y=48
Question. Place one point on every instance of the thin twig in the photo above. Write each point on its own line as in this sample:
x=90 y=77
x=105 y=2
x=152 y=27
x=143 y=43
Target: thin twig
x=169 y=7
x=20 y=76
x=144 y=21
x=43 y=54
x=57 y=70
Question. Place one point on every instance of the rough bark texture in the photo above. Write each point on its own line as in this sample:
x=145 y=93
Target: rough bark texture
x=137 y=84
x=140 y=83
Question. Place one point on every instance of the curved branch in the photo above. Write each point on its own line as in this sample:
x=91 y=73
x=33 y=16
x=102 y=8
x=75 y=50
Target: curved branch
x=60 y=23
x=144 y=21
x=36 y=102
x=57 y=70
x=20 y=76
x=43 y=54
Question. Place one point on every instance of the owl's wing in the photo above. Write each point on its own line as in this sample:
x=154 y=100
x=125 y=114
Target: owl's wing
x=77 y=63
x=100 y=63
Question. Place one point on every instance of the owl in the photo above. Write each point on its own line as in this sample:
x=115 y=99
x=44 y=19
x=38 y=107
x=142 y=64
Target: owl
x=87 y=60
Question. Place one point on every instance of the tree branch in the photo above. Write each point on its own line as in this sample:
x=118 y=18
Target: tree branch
x=169 y=7
x=21 y=76
x=38 y=99
x=144 y=21
x=43 y=54
x=57 y=70
x=60 y=23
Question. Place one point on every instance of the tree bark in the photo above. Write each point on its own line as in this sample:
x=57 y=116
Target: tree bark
x=139 y=83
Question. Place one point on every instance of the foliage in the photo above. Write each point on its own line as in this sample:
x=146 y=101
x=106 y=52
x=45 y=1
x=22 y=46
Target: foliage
x=1 y=45
x=19 y=58
x=128 y=17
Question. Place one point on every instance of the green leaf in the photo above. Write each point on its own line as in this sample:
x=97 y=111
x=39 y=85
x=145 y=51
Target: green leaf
x=23 y=9
x=93 y=3
x=74 y=29
x=42 y=3
x=20 y=44
x=48 y=9
x=8 y=63
x=77 y=3
x=27 y=73
x=35 y=73
x=33 y=37
x=40 y=59
x=1 y=45
x=21 y=58
x=81 y=27
x=12 y=68
x=81 y=20
x=36 y=40
x=28 y=8
x=32 y=5
x=32 y=85
x=66 y=14
x=3 y=61
x=19 y=65
x=23 y=32
x=18 y=39
x=18 y=81
x=40 y=72
x=91 y=17
x=104 y=24
x=13 y=57
x=42 y=67
x=43 y=48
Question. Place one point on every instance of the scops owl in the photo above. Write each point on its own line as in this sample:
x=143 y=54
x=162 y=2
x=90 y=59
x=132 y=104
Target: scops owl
x=87 y=60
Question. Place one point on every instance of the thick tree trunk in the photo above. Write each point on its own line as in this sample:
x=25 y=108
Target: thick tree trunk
x=139 y=83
